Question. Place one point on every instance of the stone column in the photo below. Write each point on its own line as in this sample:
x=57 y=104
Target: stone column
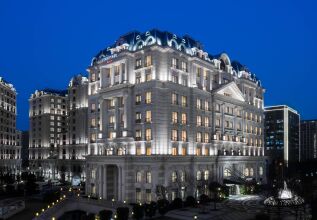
x=112 y=75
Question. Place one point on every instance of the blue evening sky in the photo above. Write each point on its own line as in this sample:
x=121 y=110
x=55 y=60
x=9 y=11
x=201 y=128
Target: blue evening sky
x=43 y=43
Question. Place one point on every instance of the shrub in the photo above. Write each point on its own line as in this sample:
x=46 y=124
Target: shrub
x=204 y=199
x=90 y=216
x=190 y=201
x=122 y=213
x=177 y=203
x=105 y=215
x=150 y=209
x=162 y=206
x=138 y=211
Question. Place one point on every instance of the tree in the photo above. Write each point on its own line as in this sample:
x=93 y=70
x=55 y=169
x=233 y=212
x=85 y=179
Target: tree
x=105 y=215
x=150 y=209
x=162 y=206
x=122 y=213
x=138 y=211
x=214 y=188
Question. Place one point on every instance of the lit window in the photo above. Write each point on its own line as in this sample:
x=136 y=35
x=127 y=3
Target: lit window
x=138 y=195
x=206 y=175
x=206 y=136
x=198 y=137
x=112 y=103
x=174 y=117
x=184 y=66
x=148 y=97
x=174 y=177
x=93 y=174
x=138 y=99
x=93 y=122
x=148 y=60
x=206 y=122
x=198 y=102
x=148 y=151
x=251 y=172
x=206 y=106
x=246 y=171
x=174 y=135
x=138 y=177
x=261 y=171
x=93 y=107
x=174 y=151
x=184 y=101
x=227 y=172
x=116 y=70
x=174 y=99
x=184 y=151
x=138 y=135
x=112 y=119
x=148 y=177
x=198 y=175
x=184 y=136
x=148 y=76
x=138 y=63
x=148 y=116
x=184 y=118
x=198 y=120
x=138 y=117
x=148 y=134
x=182 y=176
x=138 y=150
x=174 y=63
x=148 y=195
x=138 y=78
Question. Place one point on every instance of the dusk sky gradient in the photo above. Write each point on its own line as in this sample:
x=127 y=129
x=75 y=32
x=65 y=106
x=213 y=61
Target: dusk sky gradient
x=44 y=43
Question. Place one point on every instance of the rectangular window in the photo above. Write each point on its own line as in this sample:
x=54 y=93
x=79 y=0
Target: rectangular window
x=206 y=138
x=174 y=63
x=148 y=134
x=138 y=99
x=174 y=135
x=93 y=122
x=148 y=177
x=138 y=195
x=184 y=66
x=198 y=103
x=148 y=60
x=184 y=118
x=174 y=99
x=138 y=117
x=148 y=116
x=184 y=136
x=148 y=97
x=148 y=76
x=138 y=63
x=206 y=122
x=148 y=195
x=184 y=101
x=137 y=78
x=174 y=117
x=174 y=151
x=175 y=78
x=138 y=135
x=198 y=120
x=206 y=106
x=198 y=137
x=148 y=151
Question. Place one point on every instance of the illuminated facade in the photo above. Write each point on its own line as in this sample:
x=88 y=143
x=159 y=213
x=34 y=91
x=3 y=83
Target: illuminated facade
x=165 y=118
x=10 y=145
x=308 y=140
x=58 y=131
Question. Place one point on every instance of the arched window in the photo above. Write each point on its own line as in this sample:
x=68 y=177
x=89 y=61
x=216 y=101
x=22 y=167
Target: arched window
x=206 y=175
x=138 y=177
x=227 y=172
x=246 y=172
x=174 y=176
x=251 y=172
x=148 y=177
x=261 y=171
x=182 y=176
x=198 y=175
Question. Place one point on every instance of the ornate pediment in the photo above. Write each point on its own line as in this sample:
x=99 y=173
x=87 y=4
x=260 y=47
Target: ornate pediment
x=231 y=90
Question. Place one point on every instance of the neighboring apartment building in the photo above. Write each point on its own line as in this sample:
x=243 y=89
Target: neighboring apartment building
x=308 y=140
x=166 y=118
x=282 y=134
x=10 y=145
x=58 y=131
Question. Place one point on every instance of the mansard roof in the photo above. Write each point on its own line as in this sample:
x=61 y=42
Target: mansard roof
x=135 y=40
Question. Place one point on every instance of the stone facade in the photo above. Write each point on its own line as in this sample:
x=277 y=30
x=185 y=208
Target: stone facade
x=10 y=145
x=165 y=118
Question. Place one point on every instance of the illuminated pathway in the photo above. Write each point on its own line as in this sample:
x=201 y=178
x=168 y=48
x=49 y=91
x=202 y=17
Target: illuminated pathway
x=71 y=203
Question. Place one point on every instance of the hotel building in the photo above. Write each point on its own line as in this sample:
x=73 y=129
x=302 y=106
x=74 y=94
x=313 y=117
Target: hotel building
x=166 y=118
x=58 y=131
x=10 y=146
